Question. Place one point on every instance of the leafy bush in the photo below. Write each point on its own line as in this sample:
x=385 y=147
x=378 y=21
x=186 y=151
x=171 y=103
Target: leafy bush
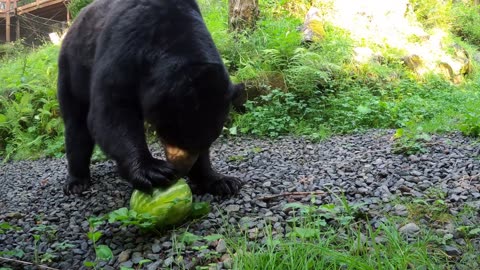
x=75 y=6
x=30 y=124
x=29 y=114
x=433 y=13
x=279 y=116
x=470 y=124
x=11 y=50
x=467 y=22
x=317 y=67
x=308 y=89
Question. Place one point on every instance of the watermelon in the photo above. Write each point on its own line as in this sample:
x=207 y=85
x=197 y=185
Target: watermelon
x=168 y=206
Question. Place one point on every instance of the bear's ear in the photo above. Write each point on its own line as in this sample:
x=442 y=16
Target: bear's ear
x=239 y=97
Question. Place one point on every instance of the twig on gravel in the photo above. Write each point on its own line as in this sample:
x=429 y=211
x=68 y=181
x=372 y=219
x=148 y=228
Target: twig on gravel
x=27 y=263
x=286 y=194
x=469 y=177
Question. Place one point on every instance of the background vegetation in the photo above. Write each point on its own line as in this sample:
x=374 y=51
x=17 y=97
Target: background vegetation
x=314 y=90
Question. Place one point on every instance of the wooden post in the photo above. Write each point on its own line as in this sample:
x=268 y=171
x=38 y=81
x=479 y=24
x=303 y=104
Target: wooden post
x=17 y=22
x=7 y=25
x=18 y=28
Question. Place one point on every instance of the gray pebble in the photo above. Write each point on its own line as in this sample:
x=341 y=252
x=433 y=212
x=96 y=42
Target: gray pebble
x=410 y=229
x=452 y=251
x=168 y=262
x=232 y=208
x=156 y=248
x=137 y=257
x=124 y=256
x=221 y=246
x=127 y=264
x=261 y=204
x=155 y=265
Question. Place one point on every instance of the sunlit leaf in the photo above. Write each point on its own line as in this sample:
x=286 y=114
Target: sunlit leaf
x=104 y=253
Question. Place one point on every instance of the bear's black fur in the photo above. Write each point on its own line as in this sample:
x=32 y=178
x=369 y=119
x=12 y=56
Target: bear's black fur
x=124 y=62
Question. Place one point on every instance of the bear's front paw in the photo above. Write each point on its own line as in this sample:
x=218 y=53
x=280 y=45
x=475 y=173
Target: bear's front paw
x=76 y=185
x=222 y=185
x=155 y=173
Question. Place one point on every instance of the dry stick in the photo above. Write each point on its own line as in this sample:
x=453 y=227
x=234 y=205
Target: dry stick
x=27 y=263
x=266 y=198
x=469 y=177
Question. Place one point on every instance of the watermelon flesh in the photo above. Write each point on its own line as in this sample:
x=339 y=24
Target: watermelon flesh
x=169 y=205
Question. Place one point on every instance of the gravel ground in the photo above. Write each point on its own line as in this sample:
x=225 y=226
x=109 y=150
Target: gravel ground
x=361 y=165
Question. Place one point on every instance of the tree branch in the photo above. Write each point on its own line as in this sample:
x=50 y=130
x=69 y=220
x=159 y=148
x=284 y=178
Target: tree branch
x=26 y=263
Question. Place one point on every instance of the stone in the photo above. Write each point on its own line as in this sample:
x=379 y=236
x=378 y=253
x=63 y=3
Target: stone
x=127 y=264
x=155 y=265
x=227 y=261
x=156 y=248
x=221 y=246
x=137 y=257
x=169 y=261
x=261 y=204
x=267 y=184
x=414 y=62
x=401 y=210
x=452 y=251
x=124 y=256
x=410 y=229
x=313 y=29
x=232 y=208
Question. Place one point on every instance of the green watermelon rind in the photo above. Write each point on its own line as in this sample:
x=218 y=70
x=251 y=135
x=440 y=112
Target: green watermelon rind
x=169 y=206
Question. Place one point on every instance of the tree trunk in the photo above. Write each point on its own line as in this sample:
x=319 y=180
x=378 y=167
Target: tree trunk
x=242 y=14
x=7 y=22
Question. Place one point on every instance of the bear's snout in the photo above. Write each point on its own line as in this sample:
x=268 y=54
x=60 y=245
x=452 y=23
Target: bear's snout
x=183 y=160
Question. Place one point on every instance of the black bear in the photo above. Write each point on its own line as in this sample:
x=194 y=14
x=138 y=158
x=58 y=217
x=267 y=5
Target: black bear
x=127 y=62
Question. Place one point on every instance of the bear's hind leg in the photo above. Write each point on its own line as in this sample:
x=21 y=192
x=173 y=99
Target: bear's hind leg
x=79 y=148
x=78 y=142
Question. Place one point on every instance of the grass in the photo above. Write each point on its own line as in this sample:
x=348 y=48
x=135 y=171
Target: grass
x=338 y=236
x=330 y=251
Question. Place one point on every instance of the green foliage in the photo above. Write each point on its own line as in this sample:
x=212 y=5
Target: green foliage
x=200 y=209
x=306 y=89
x=336 y=236
x=470 y=124
x=11 y=50
x=273 y=119
x=433 y=13
x=30 y=125
x=189 y=238
x=5 y=227
x=466 y=23
x=75 y=6
x=102 y=252
x=410 y=142
x=128 y=217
